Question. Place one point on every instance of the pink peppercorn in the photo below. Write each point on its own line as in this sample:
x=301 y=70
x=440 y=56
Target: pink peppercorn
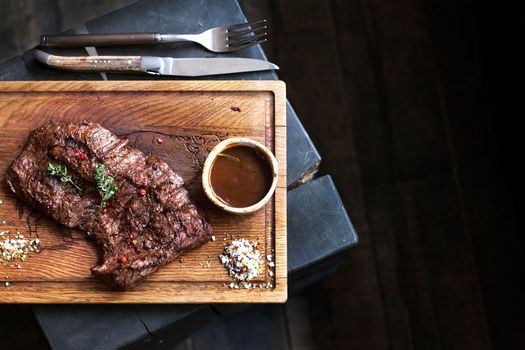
x=123 y=259
x=142 y=192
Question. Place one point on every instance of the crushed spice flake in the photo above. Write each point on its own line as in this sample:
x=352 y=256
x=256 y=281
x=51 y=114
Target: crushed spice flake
x=242 y=260
x=80 y=155
x=160 y=140
x=248 y=285
x=16 y=248
x=213 y=238
x=235 y=109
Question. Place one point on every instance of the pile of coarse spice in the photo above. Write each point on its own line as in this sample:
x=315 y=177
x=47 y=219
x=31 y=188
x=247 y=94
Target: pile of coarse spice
x=242 y=260
x=17 y=247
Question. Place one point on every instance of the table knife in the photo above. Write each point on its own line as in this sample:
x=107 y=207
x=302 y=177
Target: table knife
x=188 y=67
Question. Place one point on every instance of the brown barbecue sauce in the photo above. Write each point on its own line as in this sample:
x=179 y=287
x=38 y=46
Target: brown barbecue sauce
x=240 y=176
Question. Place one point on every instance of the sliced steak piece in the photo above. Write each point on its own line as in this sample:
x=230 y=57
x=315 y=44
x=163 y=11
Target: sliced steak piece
x=146 y=224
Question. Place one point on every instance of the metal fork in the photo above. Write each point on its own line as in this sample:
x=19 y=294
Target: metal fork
x=219 y=39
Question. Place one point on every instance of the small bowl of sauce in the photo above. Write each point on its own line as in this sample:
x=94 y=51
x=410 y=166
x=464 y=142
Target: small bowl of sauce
x=240 y=175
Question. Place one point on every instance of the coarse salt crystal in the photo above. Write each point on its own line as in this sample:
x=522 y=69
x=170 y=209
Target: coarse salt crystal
x=242 y=260
x=16 y=248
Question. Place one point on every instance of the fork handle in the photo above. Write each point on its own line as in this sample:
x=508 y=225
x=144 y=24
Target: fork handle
x=100 y=40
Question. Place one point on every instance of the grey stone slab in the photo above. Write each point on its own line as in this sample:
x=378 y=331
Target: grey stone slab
x=321 y=226
x=112 y=326
x=89 y=327
x=169 y=333
x=260 y=327
x=302 y=158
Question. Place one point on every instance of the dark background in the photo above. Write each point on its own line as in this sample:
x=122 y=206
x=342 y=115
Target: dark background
x=415 y=108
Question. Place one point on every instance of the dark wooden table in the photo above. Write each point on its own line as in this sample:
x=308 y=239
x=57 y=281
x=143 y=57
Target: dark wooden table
x=319 y=230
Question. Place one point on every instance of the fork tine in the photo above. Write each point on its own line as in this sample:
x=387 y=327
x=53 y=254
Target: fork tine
x=247 y=39
x=253 y=30
x=242 y=25
x=252 y=43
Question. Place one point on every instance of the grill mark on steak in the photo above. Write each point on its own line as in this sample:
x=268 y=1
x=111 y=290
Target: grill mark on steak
x=149 y=230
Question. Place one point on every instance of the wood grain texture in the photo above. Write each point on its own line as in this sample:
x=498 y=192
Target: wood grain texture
x=190 y=117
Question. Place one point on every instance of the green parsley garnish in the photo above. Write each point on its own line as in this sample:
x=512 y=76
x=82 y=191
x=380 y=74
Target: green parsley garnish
x=104 y=185
x=61 y=172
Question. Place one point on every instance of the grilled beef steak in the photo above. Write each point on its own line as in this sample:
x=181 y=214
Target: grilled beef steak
x=147 y=223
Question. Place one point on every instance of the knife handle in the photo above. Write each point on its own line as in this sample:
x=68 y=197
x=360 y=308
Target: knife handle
x=91 y=63
x=100 y=40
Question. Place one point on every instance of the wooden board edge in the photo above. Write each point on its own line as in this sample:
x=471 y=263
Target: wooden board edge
x=280 y=224
x=276 y=86
x=154 y=293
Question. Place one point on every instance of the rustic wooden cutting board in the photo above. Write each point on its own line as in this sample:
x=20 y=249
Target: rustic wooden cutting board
x=191 y=118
